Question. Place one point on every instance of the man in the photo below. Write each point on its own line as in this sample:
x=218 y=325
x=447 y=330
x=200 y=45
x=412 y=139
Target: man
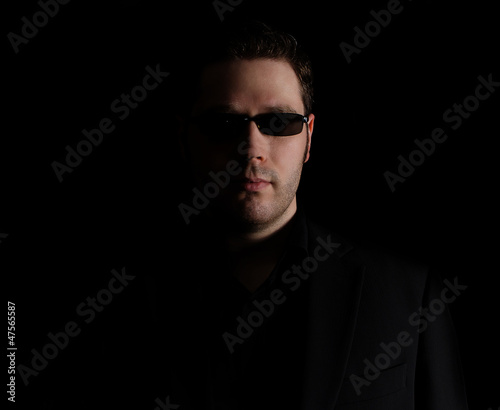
x=270 y=310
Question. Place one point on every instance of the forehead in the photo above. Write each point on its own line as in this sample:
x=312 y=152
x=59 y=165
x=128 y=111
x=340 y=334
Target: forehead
x=250 y=87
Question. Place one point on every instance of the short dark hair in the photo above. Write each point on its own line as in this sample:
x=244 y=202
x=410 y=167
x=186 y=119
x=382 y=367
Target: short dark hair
x=251 y=40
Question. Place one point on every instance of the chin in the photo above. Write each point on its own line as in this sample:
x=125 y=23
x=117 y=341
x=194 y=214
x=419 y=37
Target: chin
x=252 y=212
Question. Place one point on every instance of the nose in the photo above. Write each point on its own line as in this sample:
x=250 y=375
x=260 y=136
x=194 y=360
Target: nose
x=256 y=144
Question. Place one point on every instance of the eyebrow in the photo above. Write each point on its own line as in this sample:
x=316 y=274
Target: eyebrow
x=281 y=108
x=233 y=109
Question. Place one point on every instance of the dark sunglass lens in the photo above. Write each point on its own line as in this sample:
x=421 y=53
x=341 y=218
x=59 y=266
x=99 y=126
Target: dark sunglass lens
x=221 y=126
x=281 y=124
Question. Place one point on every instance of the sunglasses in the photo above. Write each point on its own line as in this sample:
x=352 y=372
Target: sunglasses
x=222 y=126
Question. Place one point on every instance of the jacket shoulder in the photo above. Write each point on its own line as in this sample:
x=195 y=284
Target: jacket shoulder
x=382 y=265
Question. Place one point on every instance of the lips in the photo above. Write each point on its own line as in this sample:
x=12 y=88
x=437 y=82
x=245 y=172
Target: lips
x=252 y=184
x=253 y=180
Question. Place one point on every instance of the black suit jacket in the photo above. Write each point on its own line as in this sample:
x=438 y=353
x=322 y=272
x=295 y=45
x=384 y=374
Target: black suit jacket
x=368 y=345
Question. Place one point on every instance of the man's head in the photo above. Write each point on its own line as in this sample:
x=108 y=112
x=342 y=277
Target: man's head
x=251 y=103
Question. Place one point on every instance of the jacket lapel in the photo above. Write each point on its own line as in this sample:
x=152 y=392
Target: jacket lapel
x=335 y=290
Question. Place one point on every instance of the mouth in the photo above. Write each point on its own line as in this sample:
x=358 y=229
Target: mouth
x=251 y=184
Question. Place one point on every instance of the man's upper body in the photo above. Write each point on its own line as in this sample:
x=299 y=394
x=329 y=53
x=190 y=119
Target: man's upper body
x=261 y=308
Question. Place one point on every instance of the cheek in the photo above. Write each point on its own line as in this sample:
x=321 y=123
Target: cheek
x=287 y=155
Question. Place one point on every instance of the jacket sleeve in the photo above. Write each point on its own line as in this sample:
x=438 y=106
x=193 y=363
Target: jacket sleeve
x=439 y=383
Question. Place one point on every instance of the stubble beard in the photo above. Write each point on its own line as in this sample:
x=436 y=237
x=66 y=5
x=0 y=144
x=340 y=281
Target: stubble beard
x=254 y=211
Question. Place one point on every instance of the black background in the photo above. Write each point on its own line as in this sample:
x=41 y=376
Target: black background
x=121 y=201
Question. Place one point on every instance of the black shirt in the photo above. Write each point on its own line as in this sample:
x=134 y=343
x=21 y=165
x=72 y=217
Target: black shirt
x=254 y=342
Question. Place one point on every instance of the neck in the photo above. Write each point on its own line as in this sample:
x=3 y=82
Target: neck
x=253 y=253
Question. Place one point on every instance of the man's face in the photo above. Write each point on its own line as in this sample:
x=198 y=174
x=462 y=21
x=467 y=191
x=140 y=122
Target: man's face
x=264 y=191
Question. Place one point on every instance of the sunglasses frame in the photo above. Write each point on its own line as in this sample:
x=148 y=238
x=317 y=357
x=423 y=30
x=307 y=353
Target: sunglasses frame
x=240 y=119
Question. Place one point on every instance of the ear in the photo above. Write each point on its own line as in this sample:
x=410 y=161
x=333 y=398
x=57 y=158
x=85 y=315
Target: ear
x=310 y=127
